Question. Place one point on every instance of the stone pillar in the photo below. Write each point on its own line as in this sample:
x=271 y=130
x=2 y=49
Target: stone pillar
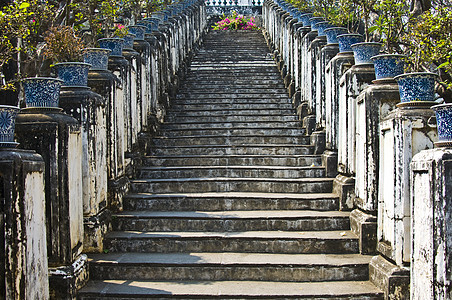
x=299 y=88
x=88 y=108
x=431 y=177
x=356 y=79
x=305 y=61
x=405 y=132
x=23 y=244
x=57 y=138
x=374 y=103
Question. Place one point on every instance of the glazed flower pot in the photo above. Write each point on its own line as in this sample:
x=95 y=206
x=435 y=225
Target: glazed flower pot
x=74 y=74
x=128 y=41
x=444 y=123
x=314 y=21
x=42 y=91
x=321 y=26
x=97 y=58
x=305 y=19
x=364 y=51
x=138 y=31
x=332 y=33
x=7 y=125
x=347 y=40
x=417 y=86
x=114 y=44
x=388 y=66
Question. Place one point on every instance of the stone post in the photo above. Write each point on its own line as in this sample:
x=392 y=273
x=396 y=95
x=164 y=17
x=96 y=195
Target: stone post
x=431 y=207
x=297 y=99
x=373 y=104
x=356 y=79
x=23 y=244
x=404 y=132
x=57 y=138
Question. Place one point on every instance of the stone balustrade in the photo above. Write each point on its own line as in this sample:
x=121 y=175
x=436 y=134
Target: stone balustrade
x=371 y=144
x=73 y=165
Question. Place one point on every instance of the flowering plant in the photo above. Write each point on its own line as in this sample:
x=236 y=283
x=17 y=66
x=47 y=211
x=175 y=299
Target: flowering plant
x=120 y=31
x=235 y=22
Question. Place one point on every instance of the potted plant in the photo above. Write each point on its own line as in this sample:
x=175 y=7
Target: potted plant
x=7 y=125
x=64 y=48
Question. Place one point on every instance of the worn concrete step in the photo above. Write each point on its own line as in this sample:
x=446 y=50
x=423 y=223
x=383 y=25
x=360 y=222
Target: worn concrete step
x=137 y=290
x=188 y=106
x=231 y=171
x=258 y=149
x=234 y=160
x=173 y=118
x=233 y=81
x=232 y=77
x=229 y=266
x=261 y=102
x=259 y=131
x=214 y=95
x=229 y=201
x=218 y=72
x=290 y=242
x=213 y=113
x=231 y=125
x=224 y=184
x=229 y=140
x=233 y=221
x=217 y=87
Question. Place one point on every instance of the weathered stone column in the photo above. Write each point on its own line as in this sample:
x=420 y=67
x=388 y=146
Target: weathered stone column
x=297 y=99
x=374 y=103
x=23 y=243
x=431 y=207
x=356 y=79
x=57 y=138
x=404 y=132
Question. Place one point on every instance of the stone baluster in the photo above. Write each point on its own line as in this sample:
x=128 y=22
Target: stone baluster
x=405 y=132
x=431 y=224
x=57 y=138
x=23 y=242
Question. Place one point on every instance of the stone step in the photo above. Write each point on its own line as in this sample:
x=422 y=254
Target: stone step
x=138 y=290
x=232 y=77
x=173 y=132
x=214 y=95
x=258 y=149
x=188 y=106
x=173 y=118
x=229 y=266
x=232 y=112
x=233 y=86
x=231 y=171
x=288 y=242
x=282 y=102
x=231 y=125
x=230 y=201
x=234 y=160
x=224 y=184
x=231 y=221
x=229 y=140
x=234 y=82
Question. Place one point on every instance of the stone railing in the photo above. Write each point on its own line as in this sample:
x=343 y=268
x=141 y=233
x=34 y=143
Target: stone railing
x=244 y=7
x=397 y=190
x=73 y=164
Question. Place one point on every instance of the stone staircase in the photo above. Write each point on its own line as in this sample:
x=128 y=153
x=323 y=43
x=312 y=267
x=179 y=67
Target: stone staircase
x=231 y=203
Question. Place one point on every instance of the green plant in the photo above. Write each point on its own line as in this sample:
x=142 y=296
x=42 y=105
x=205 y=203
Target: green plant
x=391 y=23
x=363 y=12
x=302 y=5
x=63 y=45
x=120 y=31
x=235 y=22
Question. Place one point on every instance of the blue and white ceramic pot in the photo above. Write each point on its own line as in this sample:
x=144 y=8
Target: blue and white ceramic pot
x=138 y=31
x=347 y=40
x=97 y=58
x=332 y=33
x=321 y=26
x=388 y=66
x=42 y=91
x=314 y=21
x=444 y=123
x=305 y=19
x=364 y=51
x=417 y=86
x=74 y=74
x=114 y=44
x=7 y=125
x=128 y=41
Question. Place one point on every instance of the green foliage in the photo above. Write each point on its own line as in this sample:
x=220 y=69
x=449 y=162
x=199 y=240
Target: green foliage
x=429 y=42
x=63 y=45
x=302 y=5
x=391 y=23
x=235 y=22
